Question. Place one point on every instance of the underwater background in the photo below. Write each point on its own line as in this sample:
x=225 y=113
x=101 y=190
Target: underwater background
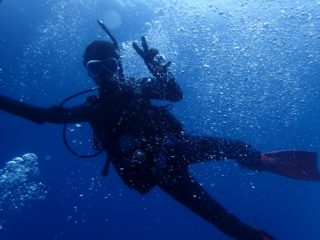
x=249 y=70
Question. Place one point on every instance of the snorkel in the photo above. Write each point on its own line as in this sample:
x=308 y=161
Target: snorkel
x=104 y=27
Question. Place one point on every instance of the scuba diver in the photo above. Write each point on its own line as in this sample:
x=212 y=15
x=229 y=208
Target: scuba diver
x=148 y=145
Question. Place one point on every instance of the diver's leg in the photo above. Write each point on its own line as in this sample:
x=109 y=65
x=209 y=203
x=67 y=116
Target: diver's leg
x=188 y=192
x=192 y=149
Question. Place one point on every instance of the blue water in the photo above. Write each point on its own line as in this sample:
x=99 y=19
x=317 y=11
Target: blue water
x=249 y=70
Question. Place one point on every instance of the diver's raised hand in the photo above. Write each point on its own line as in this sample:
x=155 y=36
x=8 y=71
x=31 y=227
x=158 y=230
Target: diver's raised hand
x=151 y=57
x=147 y=54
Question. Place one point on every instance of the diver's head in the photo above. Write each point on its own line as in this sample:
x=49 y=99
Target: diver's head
x=101 y=61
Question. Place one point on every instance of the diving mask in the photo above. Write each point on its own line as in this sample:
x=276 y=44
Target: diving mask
x=96 y=67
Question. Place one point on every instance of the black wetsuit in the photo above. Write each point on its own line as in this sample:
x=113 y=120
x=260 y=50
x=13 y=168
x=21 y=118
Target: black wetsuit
x=124 y=121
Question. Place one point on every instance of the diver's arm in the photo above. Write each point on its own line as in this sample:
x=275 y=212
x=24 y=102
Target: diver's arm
x=54 y=114
x=163 y=85
x=161 y=88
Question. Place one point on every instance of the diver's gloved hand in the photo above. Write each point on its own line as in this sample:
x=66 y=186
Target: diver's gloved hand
x=151 y=57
